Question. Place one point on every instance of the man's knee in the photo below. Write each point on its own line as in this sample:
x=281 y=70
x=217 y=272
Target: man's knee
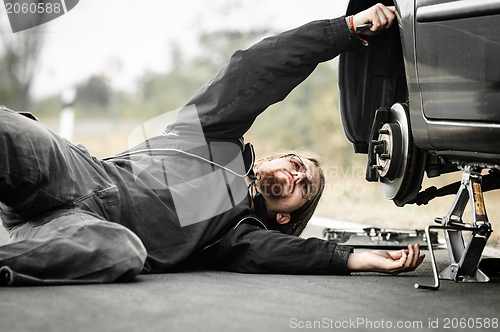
x=72 y=249
x=122 y=252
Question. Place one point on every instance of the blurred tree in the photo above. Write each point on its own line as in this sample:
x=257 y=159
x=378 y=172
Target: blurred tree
x=217 y=46
x=18 y=62
x=94 y=92
x=163 y=92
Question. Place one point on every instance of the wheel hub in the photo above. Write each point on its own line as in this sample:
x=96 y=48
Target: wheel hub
x=388 y=150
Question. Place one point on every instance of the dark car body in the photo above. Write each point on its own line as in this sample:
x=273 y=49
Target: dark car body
x=423 y=98
x=442 y=62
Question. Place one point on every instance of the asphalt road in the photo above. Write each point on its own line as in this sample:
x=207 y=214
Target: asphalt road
x=222 y=301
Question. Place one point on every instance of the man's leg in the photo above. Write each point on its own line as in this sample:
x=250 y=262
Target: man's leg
x=70 y=247
x=43 y=178
x=40 y=171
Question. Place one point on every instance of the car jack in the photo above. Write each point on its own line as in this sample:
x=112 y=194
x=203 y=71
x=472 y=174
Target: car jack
x=464 y=255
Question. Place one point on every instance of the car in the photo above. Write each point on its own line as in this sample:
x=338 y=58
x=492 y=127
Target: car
x=423 y=99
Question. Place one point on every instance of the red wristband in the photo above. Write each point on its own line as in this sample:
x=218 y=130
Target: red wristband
x=353 y=29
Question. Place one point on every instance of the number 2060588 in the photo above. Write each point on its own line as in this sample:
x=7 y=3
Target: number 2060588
x=472 y=323
x=32 y=8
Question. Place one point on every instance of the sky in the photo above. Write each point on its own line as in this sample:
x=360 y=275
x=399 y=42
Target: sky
x=124 y=38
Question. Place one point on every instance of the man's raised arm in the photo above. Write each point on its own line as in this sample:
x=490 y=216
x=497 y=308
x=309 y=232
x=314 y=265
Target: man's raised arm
x=255 y=78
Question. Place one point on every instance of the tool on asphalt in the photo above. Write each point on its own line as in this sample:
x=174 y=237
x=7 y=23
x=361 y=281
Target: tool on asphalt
x=373 y=237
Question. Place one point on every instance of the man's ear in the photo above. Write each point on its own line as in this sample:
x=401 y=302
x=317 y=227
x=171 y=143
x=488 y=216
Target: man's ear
x=259 y=162
x=282 y=218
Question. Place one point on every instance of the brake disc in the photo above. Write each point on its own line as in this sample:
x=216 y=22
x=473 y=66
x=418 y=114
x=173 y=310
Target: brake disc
x=395 y=154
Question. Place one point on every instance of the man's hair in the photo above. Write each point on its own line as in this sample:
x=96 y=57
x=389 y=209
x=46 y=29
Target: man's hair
x=300 y=217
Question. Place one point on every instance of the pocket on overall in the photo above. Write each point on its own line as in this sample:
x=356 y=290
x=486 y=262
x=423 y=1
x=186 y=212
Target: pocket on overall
x=103 y=202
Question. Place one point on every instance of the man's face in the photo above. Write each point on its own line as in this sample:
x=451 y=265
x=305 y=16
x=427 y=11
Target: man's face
x=287 y=183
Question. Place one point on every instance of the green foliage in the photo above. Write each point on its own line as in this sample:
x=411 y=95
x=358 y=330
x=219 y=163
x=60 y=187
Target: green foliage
x=93 y=100
x=162 y=92
x=95 y=91
x=47 y=108
x=7 y=87
x=20 y=54
x=308 y=118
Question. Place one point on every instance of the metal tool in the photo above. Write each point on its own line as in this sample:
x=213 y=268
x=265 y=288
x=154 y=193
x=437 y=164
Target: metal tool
x=373 y=237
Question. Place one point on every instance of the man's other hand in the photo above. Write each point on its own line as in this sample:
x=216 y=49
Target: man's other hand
x=386 y=262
